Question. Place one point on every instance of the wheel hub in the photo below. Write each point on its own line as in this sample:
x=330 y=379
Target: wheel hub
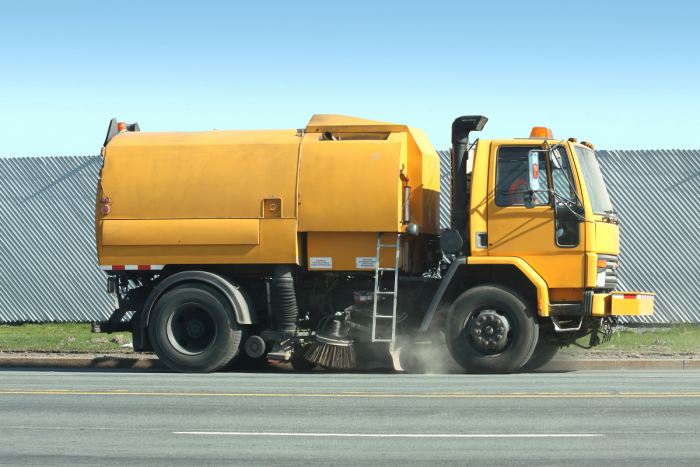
x=196 y=329
x=191 y=329
x=488 y=332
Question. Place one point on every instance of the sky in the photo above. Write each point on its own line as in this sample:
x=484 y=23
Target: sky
x=621 y=75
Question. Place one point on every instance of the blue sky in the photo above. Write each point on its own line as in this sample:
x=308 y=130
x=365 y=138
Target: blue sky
x=622 y=75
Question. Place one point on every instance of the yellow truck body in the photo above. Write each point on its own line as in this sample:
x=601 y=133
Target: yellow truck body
x=318 y=212
x=200 y=198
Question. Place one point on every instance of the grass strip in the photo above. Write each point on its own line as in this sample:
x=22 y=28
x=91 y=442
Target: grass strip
x=678 y=338
x=76 y=337
x=66 y=337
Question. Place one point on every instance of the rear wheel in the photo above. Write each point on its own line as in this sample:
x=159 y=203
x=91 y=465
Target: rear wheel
x=193 y=329
x=491 y=329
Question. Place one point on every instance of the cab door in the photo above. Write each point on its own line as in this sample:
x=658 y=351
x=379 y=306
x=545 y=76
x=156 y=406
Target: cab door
x=554 y=249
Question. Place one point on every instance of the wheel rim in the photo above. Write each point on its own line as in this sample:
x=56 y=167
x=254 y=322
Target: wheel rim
x=488 y=331
x=191 y=329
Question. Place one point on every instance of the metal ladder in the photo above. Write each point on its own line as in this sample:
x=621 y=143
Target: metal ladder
x=378 y=272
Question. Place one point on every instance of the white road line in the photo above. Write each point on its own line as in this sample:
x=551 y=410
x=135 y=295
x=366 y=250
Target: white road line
x=373 y=435
x=667 y=377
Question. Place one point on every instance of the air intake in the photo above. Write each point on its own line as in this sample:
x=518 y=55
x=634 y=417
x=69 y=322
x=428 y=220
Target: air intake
x=461 y=128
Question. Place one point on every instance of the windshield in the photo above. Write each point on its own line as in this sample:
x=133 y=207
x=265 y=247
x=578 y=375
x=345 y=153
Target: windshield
x=600 y=201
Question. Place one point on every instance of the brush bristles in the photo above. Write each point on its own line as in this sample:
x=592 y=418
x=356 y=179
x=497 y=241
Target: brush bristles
x=341 y=357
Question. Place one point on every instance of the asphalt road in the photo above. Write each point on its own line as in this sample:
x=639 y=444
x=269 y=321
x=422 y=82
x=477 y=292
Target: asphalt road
x=96 y=417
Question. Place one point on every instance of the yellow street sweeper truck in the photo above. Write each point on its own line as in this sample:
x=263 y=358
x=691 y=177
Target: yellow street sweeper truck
x=322 y=246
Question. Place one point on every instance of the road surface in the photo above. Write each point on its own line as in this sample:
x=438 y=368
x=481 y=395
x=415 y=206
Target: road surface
x=92 y=417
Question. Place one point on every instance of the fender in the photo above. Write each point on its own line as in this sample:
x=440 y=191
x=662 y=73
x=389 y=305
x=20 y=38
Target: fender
x=240 y=301
x=536 y=279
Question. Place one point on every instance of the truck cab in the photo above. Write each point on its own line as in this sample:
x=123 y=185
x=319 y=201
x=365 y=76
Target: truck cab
x=540 y=223
x=568 y=233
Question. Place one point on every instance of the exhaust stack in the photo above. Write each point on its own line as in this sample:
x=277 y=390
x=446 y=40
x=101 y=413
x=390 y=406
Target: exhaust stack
x=461 y=128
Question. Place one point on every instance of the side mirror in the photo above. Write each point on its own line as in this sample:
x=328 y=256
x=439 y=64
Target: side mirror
x=555 y=159
x=533 y=170
x=533 y=173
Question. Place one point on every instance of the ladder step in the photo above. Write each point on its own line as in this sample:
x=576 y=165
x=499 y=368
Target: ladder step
x=377 y=292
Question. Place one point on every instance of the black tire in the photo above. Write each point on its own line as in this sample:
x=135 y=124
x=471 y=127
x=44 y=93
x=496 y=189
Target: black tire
x=193 y=329
x=544 y=352
x=504 y=313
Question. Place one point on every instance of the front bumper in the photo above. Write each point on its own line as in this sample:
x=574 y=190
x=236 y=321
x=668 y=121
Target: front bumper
x=623 y=304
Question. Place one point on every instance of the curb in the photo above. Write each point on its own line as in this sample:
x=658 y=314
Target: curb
x=102 y=362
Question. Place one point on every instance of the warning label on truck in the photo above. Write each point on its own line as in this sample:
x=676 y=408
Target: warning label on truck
x=320 y=263
x=365 y=263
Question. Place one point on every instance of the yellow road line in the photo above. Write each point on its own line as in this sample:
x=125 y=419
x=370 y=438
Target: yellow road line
x=424 y=396
x=392 y=435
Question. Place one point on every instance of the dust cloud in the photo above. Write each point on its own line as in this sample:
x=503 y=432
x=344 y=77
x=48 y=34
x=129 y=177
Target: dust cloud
x=429 y=357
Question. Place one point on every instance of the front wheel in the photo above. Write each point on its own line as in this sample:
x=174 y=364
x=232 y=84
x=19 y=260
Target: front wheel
x=491 y=329
x=544 y=352
x=193 y=329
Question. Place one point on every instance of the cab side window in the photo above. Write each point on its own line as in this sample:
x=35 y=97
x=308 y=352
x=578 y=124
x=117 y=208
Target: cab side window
x=511 y=176
x=562 y=178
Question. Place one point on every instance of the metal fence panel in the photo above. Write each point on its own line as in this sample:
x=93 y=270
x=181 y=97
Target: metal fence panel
x=445 y=189
x=48 y=262
x=657 y=194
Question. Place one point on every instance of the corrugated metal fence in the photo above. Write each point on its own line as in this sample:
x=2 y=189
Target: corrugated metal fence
x=657 y=194
x=445 y=189
x=48 y=265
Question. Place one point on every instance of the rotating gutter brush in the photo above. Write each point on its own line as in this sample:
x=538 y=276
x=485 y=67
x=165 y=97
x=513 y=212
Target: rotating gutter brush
x=333 y=349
